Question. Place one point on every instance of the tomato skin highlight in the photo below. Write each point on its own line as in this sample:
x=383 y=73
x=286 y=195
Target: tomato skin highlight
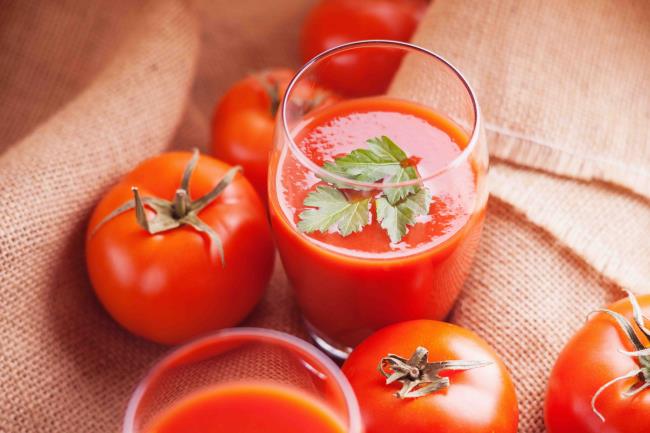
x=588 y=361
x=334 y=22
x=488 y=391
x=167 y=287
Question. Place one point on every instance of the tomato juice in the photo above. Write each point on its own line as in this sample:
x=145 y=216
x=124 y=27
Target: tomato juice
x=350 y=286
x=248 y=408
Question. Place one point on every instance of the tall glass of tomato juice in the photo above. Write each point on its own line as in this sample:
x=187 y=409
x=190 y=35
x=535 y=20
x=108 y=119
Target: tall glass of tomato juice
x=377 y=202
x=244 y=380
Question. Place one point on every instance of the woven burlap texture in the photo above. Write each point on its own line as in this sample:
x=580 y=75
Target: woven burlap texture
x=90 y=88
x=571 y=99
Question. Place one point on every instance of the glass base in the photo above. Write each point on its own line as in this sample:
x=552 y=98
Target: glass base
x=333 y=350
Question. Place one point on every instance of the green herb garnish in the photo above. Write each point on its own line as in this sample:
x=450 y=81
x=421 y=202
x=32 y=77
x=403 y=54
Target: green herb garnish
x=333 y=209
x=394 y=218
x=396 y=208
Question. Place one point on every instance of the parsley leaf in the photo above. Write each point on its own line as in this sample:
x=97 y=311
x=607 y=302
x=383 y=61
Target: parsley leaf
x=382 y=160
x=404 y=174
x=386 y=148
x=333 y=208
x=394 y=218
x=397 y=208
x=363 y=165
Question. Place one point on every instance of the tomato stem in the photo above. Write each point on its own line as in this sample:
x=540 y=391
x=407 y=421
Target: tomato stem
x=272 y=89
x=169 y=215
x=181 y=203
x=319 y=97
x=418 y=376
x=641 y=352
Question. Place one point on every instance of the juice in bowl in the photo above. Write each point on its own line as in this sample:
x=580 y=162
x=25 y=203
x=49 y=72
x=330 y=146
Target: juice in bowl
x=377 y=202
x=244 y=380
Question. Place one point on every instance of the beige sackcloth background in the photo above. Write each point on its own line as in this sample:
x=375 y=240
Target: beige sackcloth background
x=88 y=89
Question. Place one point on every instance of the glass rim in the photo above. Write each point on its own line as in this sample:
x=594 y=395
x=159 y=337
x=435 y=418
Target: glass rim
x=269 y=335
x=407 y=46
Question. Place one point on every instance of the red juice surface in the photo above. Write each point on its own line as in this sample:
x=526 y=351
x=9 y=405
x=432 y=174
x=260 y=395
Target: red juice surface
x=248 y=408
x=350 y=286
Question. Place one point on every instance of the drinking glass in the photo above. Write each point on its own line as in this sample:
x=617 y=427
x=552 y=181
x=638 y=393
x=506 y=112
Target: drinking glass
x=242 y=364
x=349 y=286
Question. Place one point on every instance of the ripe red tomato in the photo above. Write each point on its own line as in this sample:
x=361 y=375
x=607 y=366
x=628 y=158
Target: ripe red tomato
x=478 y=400
x=244 y=121
x=591 y=359
x=172 y=285
x=334 y=22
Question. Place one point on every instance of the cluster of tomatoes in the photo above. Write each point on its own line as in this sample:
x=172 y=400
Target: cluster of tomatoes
x=182 y=246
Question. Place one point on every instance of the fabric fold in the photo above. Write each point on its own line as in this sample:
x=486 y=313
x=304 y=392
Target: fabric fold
x=66 y=365
x=570 y=108
x=564 y=92
x=563 y=85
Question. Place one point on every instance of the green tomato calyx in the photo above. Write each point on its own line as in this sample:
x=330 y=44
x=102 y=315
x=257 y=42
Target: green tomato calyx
x=418 y=376
x=181 y=210
x=641 y=352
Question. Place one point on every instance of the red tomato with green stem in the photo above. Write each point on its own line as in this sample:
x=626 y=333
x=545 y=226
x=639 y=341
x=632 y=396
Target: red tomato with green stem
x=597 y=383
x=179 y=247
x=433 y=377
x=244 y=121
x=334 y=22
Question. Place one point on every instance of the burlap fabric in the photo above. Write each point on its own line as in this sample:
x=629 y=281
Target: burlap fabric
x=88 y=89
